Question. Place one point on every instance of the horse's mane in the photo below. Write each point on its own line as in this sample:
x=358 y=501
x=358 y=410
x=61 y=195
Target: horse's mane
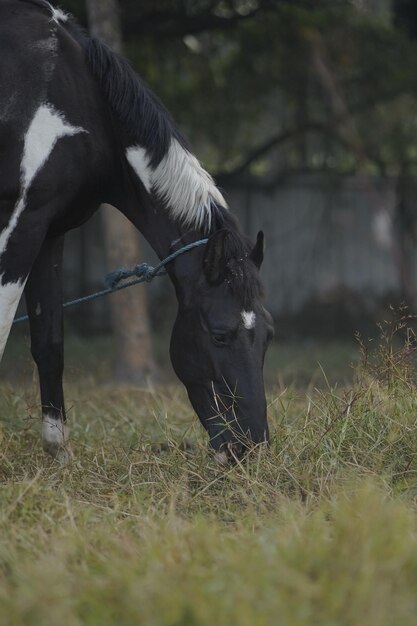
x=241 y=277
x=173 y=174
x=177 y=179
x=142 y=114
x=144 y=118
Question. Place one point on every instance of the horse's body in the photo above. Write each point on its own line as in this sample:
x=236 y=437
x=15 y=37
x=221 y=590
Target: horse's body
x=78 y=128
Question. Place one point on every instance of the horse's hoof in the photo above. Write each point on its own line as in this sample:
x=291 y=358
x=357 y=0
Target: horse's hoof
x=65 y=455
x=55 y=440
x=62 y=454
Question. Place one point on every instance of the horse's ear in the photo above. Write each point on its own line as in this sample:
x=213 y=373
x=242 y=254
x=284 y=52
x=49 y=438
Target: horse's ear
x=257 y=254
x=214 y=262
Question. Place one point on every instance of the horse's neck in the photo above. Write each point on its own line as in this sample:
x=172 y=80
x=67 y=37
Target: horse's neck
x=162 y=232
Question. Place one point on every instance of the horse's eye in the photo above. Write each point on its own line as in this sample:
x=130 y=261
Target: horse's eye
x=220 y=338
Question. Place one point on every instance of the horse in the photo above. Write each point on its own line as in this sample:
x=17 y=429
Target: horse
x=79 y=128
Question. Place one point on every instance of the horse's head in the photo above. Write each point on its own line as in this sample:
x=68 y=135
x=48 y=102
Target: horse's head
x=219 y=342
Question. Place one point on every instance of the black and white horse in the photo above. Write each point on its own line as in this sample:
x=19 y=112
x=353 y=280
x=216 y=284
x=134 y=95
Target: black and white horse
x=79 y=128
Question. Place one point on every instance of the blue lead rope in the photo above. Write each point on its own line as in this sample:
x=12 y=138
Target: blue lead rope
x=142 y=271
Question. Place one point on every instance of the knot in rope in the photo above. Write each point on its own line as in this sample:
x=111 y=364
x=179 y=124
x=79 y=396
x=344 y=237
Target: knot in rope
x=141 y=270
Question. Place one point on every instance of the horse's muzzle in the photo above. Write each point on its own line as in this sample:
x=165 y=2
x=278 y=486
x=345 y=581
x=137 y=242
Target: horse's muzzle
x=231 y=453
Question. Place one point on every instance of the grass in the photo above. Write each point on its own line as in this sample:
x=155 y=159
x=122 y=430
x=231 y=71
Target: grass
x=321 y=529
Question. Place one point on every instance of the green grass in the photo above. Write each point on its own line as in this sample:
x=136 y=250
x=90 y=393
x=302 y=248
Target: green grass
x=321 y=529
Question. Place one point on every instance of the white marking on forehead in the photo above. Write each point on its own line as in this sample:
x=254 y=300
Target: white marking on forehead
x=46 y=127
x=248 y=319
x=181 y=182
x=9 y=299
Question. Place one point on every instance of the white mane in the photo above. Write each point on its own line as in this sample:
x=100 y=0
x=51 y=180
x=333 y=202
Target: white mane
x=180 y=182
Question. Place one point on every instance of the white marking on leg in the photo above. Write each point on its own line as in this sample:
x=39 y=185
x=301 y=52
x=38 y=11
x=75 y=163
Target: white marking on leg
x=46 y=127
x=248 y=319
x=10 y=294
x=179 y=181
x=55 y=438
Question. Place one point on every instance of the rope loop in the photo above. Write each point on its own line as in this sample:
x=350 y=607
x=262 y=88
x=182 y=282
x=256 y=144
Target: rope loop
x=143 y=272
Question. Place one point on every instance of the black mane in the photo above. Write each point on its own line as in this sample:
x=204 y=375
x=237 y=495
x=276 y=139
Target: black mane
x=241 y=275
x=144 y=117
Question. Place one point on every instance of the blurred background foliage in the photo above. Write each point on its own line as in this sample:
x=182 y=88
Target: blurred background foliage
x=267 y=86
x=305 y=111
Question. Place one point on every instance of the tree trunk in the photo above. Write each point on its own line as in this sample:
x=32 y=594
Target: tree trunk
x=133 y=357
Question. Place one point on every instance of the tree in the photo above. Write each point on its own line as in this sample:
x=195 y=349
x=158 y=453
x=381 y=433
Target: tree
x=133 y=360
x=270 y=87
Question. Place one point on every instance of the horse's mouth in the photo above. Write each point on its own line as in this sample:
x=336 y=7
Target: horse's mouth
x=229 y=453
x=234 y=453
x=221 y=458
x=231 y=434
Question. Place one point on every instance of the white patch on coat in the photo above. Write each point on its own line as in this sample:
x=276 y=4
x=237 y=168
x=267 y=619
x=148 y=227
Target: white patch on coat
x=55 y=438
x=48 y=45
x=46 y=127
x=181 y=183
x=139 y=161
x=58 y=15
x=248 y=319
x=10 y=294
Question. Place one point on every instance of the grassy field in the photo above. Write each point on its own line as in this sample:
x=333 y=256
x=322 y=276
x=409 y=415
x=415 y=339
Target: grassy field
x=321 y=529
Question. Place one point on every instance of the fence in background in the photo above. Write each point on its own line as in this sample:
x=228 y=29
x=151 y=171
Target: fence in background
x=323 y=236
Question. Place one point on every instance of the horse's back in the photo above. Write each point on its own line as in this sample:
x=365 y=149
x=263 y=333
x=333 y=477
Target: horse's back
x=52 y=117
x=39 y=62
x=26 y=46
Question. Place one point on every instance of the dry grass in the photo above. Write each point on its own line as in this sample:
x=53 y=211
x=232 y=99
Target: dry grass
x=321 y=529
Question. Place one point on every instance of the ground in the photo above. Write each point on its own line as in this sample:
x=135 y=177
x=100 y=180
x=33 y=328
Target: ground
x=322 y=529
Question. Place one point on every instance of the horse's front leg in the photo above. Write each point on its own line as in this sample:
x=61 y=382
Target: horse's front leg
x=43 y=293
